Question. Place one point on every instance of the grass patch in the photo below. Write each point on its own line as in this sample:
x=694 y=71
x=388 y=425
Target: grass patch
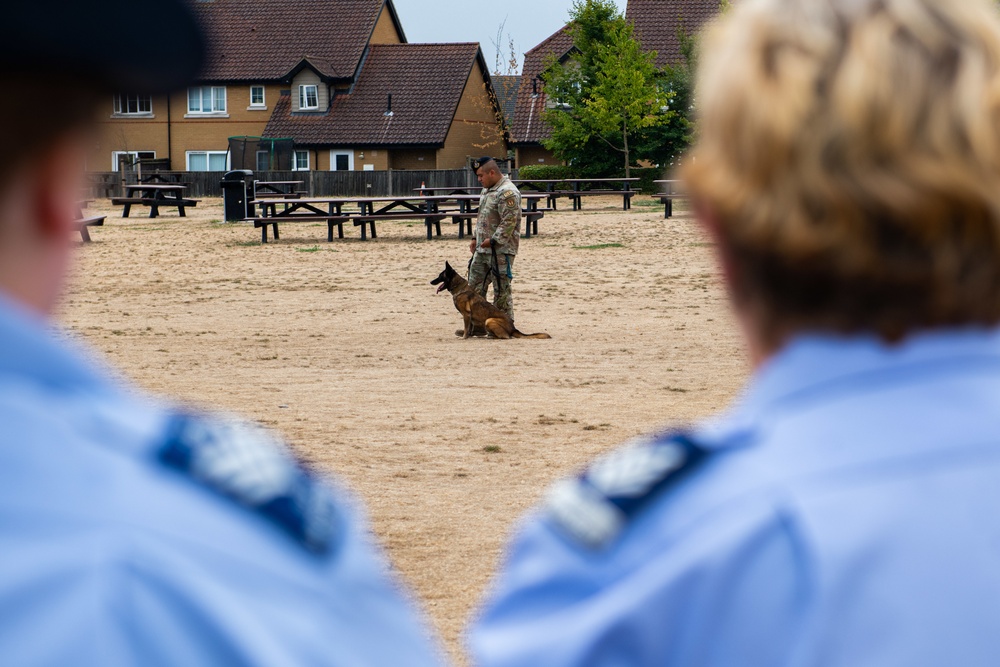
x=243 y=244
x=599 y=246
x=492 y=449
x=314 y=248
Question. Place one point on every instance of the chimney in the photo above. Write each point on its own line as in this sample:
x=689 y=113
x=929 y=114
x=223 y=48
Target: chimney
x=388 y=105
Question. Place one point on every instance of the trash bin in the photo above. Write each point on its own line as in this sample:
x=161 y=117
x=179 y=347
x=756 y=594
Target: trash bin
x=236 y=188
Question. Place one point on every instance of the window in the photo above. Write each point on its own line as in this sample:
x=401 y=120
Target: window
x=301 y=162
x=207 y=99
x=308 y=97
x=341 y=160
x=134 y=156
x=256 y=96
x=207 y=160
x=127 y=103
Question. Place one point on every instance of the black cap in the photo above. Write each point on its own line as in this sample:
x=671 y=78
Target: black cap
x=141 y=46
x=479 y=162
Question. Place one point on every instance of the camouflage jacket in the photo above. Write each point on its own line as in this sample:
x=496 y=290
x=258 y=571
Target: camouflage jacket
x=500 y=217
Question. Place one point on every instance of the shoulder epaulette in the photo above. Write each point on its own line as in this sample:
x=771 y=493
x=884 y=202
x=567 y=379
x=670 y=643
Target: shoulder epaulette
x=249 y=465
x=595 y=507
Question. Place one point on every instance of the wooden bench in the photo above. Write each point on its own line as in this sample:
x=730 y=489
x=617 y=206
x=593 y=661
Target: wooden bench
x=668 y=203
x=577 y=197
x=464 y=221
x=83 y=223
x=431 y=220
x=153 y=203
x=274 y=221
x=278 y=195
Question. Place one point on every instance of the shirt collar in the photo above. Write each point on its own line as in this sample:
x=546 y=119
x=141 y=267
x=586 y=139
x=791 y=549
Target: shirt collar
x=32 y=348
x=813 y=364
x=497 y=185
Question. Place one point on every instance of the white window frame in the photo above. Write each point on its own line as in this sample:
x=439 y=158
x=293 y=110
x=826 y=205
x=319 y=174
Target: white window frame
x=208 y=161
x=215 y=93
x=263 y=98
x=304 y=96
x=295 y=160
x=116 y=154
x=333 y=160
x=122 y=109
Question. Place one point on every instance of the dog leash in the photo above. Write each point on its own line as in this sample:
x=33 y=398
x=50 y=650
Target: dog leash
x=494 y=267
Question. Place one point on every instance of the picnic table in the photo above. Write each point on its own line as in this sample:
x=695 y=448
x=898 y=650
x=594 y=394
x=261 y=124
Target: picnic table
x=674 y=189
x=83 y=222
x=370 y=210
x=449 y=190
x=158 y=177
x=276 y=189
x=578 y=192
x=154 y=195
x=469 y=209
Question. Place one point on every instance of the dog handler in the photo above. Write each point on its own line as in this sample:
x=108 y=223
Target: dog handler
x=132 y=532
x=498 y=234
x=844 y=511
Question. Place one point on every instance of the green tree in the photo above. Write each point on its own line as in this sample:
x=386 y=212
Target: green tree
x=664 y=144
x=605 y=94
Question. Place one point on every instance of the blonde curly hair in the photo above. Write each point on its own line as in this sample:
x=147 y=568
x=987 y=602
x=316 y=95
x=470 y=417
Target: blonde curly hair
x=849 y=156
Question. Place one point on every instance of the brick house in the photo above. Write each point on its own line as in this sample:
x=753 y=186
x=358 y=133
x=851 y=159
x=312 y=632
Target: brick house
x=275 y=61
x=656 y=26
x=415 y=106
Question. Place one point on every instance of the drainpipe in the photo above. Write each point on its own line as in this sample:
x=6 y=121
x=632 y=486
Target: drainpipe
x=170 y=160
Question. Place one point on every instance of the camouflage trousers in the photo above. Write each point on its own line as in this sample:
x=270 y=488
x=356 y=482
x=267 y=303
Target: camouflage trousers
x=480 y=268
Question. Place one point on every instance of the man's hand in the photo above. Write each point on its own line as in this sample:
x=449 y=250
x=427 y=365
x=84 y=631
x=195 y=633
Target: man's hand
x=472 y=245
x=487 y=243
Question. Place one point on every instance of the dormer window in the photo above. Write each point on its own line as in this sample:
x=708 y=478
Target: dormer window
x=309 y=97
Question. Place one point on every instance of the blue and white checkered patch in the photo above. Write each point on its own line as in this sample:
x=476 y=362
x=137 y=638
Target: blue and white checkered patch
x=245 y=462
x=594 y=508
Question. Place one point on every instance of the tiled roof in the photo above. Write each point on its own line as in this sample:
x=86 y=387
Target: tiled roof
x=426 y=82
x=528 y=126
x=657 y=22
x=265 y=39
x=506 y=88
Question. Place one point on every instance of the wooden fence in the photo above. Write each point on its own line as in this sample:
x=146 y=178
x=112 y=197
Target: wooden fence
x=315 y=183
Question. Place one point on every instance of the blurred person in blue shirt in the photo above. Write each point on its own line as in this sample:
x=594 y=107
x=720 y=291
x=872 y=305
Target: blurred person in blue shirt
x=844 y=511
x=133 y=532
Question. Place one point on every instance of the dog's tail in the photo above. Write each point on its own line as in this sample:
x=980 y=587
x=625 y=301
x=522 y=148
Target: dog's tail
x=518 y=334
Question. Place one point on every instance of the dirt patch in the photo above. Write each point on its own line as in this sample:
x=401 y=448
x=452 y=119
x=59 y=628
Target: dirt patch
x=345 y=349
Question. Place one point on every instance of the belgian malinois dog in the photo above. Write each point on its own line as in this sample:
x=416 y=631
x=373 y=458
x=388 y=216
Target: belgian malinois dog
x=477 y=312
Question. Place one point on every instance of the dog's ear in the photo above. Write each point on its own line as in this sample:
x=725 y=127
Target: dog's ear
x=447 y=267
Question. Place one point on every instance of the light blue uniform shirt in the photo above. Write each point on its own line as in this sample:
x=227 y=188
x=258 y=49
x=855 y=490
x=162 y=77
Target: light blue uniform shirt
x=845 y=513
x=111 y=554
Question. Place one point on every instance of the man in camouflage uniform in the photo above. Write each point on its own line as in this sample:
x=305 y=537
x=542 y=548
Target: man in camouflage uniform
x=498 y=228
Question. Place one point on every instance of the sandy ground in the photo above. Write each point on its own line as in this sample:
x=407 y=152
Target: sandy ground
x=345 y=349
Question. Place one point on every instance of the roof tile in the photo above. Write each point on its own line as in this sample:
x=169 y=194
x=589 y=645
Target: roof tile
x=657 y=23
x=426 y=82
x=265 y=39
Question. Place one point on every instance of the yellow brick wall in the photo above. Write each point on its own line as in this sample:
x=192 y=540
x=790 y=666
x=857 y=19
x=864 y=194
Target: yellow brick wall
x=412 y=158
x=475 y=130
x=385 y=29
x=378 y=157
x=129 y=133
x=534 y=155
x=186 y=134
